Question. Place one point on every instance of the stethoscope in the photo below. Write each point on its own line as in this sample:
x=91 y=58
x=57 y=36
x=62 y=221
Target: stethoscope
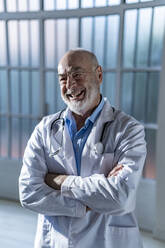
x=58 y=125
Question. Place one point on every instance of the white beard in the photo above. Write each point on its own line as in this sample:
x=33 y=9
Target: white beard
x=81 y=107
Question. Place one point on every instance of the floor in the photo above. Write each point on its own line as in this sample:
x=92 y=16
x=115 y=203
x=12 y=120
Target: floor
x=18 y=225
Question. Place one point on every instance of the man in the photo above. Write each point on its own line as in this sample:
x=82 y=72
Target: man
x=82 y=166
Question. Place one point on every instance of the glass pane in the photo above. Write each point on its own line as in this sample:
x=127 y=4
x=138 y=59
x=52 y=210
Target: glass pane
x=24 y=43
x=130 y=23
x=113 y=2
x=49 y=4
x=60 y=4
x=145 y=16
x=73 y=4
x=34 y=5
x=73 y=33
x=1 y=6
x=35 y=93
x=13 y=42
x=25 y=126
x=2 y=43
x=87 y=3
x=15 y=138
x=109 y=87
x=112 y=41
x=59 y=102
x=22 y=5
x=86 y=32
x=127 y=93
x=33 y=125
x=157 y=36
x=61 y=41
x=132 y=1
x=139 y=96
x=15 y=94
x=146 y=0
x=99 y=38
x=3 y=91
x=150 y=166
x=25 y=93
x=34 y=43
x=11 y=5
x=50 y=43
x=3 y=137
x=153 y=92
x=50 y=93
x=99 y=3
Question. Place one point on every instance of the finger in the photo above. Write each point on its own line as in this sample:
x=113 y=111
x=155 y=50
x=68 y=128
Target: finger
x=115 y=170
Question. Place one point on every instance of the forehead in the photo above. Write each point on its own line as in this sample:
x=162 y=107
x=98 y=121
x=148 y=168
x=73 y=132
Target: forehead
x=74 y=62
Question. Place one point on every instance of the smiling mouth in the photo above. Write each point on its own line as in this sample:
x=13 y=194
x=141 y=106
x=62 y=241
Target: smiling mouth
x=77 y=97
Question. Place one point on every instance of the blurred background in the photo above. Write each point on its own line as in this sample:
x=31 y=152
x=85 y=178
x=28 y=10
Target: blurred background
x=127 y=37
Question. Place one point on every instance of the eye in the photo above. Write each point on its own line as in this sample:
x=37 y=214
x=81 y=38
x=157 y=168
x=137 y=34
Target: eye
x=62 y=79
x=77 y=75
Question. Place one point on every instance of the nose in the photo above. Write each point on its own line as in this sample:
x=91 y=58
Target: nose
x=70 y=81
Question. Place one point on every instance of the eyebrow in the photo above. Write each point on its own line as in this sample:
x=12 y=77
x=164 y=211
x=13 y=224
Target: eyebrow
x=74 y=69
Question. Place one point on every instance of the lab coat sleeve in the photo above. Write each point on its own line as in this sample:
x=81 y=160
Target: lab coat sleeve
x=35 y=194
x=115 y=195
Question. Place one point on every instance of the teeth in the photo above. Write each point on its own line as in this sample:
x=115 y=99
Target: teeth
x=74 y=94
x=79 y=93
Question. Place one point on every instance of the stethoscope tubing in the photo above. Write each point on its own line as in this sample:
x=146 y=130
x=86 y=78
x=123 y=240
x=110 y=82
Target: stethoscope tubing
x=99 y=146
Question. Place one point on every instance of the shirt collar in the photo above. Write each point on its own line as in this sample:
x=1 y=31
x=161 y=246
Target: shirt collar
x=96 y=112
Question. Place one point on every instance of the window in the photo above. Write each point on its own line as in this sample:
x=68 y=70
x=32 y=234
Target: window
x=127 y=37
x=142 y=50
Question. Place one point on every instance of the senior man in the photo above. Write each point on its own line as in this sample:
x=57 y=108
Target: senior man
x=82 y=166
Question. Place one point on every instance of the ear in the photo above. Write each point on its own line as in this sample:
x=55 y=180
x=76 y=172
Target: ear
x=99 y=73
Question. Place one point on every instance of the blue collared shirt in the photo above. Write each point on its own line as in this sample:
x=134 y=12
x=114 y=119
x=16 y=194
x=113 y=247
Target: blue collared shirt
x=79 y=137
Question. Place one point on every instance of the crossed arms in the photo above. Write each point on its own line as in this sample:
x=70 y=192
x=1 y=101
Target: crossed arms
x=63 y=195
x=55 y=180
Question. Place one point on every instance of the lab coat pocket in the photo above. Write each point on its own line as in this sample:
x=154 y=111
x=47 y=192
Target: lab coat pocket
x=123 y=237
x=106 y=163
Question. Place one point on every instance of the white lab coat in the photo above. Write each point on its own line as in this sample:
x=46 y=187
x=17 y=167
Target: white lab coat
x=63 y=221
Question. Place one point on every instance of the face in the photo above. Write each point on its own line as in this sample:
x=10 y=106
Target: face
x=80 y=82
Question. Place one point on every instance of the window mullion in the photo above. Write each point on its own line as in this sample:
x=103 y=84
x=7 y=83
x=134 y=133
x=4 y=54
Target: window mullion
x=42 y=74
x=119 y=60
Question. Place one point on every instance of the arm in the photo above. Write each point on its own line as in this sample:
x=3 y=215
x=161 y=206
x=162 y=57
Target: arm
x=115 y=194
x=34 y=192
x=55 y=180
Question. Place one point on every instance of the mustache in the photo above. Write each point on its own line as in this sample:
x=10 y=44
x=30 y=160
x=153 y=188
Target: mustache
x=74 y=91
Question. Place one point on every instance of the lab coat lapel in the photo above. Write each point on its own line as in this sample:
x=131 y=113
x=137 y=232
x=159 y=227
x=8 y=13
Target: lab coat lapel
x=90 y=158
x=68 y=153
x=106 y=115
x=65 y=156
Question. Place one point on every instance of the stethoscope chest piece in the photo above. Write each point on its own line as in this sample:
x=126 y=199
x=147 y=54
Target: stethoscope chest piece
x=98 y=148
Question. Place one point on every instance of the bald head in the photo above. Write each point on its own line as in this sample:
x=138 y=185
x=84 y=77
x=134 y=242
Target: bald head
x=82 y=55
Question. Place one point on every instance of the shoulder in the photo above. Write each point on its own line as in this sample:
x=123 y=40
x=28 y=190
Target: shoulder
x=128 y=130
x=124 y=120
x=46 y=121
x=118 y=117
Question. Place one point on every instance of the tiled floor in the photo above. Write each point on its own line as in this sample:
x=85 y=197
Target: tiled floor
x=18 y=225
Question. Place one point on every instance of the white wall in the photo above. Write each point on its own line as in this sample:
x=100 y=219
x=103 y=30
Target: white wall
x=9 y=173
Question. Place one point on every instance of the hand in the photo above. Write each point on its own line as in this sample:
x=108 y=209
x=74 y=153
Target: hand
x=55 y=180
x=88 y=209
x=115 y=170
